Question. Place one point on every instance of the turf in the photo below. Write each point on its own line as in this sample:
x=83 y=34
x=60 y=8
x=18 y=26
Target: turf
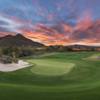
x=94 y=57
x=81 y=83
x=51 y=68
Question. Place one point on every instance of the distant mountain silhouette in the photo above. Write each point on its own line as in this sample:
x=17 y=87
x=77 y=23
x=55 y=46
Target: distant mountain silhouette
x=18 y=40
x=83 y=47
x=75 y=47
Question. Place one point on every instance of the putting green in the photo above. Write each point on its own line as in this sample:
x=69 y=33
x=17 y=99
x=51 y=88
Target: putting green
x=94 y=57
x=51 y=68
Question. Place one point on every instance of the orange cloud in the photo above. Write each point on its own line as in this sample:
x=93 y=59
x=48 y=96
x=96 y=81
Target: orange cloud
x=85 y=31
x=2 y=34
x=47 y=35
x=85 y=22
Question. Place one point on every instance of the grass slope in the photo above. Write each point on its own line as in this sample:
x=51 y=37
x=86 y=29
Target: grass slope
x=82 y=82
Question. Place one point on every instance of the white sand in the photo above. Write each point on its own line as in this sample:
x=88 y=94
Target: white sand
x=14 y=66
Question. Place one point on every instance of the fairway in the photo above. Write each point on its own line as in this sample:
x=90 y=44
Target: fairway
x=51 y=68
x=58 y=76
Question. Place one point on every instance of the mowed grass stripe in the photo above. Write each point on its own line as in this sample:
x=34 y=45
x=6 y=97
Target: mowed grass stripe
x=81 y=83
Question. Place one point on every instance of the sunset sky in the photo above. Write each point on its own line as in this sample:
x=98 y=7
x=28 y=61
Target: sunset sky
x=52 y=22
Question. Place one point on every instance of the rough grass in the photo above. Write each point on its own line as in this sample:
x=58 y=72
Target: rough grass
x=81 y=83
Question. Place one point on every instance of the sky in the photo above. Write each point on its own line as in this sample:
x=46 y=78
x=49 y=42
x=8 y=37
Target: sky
x=52 y=22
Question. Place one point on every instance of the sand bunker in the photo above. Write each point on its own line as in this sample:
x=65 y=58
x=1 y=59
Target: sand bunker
x=14 y=66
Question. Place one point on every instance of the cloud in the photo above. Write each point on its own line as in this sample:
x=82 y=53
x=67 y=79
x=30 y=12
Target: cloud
x=9 y=24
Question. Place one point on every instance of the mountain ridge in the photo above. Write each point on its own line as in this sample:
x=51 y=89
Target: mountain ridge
x=18 y=40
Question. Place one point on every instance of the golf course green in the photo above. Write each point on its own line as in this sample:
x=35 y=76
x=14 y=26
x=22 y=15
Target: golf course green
x=58 y=76
x=51 y=68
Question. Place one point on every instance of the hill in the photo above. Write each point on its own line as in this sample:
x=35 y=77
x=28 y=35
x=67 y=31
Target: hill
x=18 y=40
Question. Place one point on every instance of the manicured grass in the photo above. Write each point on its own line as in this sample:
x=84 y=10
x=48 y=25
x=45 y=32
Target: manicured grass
x=51 y=68
x=82 y=82
x=94 y=57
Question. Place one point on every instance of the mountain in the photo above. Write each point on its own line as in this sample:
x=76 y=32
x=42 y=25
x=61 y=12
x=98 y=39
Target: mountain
x=18 y=40
x=75 y=47
x=83 y=47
